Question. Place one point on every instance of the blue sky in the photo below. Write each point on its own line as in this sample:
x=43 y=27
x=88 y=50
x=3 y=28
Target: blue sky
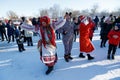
x=32 y=7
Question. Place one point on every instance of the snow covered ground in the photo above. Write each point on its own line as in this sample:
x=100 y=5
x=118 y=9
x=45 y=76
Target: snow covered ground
x=15 y=65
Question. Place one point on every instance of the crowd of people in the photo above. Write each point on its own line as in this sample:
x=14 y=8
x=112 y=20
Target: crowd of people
x=67 y=28
x=11 y=32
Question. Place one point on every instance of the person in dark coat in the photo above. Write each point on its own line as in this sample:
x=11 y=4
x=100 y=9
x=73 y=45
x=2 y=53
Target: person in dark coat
x=118 y=19
x=19 y=40
x=10 y=30
x=105 y=28
x=103 y=34
x=110 y=22
x=23 y=31
x=76 y=27
x=2 y=31
x=96 y=20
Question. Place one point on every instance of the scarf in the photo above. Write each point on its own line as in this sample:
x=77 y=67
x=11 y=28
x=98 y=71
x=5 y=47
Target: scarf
x=50 y=34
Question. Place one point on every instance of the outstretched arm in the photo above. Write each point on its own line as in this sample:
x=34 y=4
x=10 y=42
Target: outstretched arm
x=58 y=24
x=29 y=27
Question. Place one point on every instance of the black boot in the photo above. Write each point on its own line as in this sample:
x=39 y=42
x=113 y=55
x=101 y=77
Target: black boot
x=113 y=56
x=66 y=57
x=108 y=56
x=81 y=55
x=50 y=68
x=90 y=57
x=104 y=45
x=101 y=45
x=119 y=45
x=70 y=56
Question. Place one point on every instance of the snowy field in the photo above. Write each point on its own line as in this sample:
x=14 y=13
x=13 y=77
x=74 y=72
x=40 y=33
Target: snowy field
x=15 y=65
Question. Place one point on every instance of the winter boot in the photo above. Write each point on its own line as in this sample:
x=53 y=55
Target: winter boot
x=81 y=55
x=119 y=45
x=104 y=45
x=50 y=68
x=108 y=56
x=113 y=56
x=90 y=57
x=101 y=45
x=66 y=57
x=70 y=56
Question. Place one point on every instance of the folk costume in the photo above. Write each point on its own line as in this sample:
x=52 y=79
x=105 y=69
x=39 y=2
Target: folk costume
x=46 y=44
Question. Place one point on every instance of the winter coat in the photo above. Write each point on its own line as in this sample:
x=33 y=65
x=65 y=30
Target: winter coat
x=19 y=37
x=85 y=43
x=67 y=30
x=76 y=26
x=10 y=29
x=96 y=20
x=17 y=33
x=2 y=28
x=104 y=31
x=118 y=20
x=112 y=40
x=28 y=33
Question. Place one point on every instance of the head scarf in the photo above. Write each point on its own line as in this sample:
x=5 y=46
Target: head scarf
x=49 y=31
x=45 y=19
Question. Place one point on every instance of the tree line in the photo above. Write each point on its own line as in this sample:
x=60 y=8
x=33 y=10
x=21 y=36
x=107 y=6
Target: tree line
x=55 y=11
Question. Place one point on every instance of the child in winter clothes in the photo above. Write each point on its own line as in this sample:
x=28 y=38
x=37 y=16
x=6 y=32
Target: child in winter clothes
x=114 y=39
x=19 y=39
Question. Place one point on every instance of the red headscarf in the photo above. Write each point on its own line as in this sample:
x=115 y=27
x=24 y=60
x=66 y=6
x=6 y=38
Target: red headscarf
x=45 y=19
x=50 y=31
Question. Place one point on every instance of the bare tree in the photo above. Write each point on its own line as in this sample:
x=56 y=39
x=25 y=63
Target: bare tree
x=12 y=15
x=44 y=12
x=117 y=12
x=94 y=10
x=75 y=13
x=85 y=12
x=104 y=13
x=55 y=11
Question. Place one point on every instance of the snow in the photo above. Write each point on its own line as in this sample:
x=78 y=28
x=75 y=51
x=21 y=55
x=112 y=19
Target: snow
x=15 y=65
